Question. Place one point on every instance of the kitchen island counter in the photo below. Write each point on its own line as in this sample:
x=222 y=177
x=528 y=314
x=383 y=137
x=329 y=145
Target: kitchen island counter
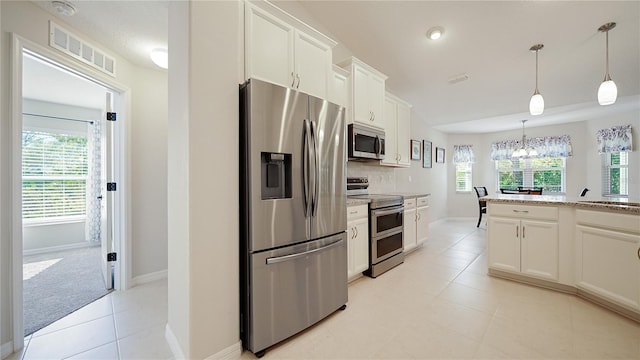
x=601 y=204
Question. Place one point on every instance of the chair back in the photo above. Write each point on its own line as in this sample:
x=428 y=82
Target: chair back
x=584 y=192
x=480 y=191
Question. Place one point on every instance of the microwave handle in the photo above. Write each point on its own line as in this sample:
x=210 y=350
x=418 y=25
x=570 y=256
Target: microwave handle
x=378 y=146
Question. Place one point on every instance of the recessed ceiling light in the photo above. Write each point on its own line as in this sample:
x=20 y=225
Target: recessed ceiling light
x=160 y=57
x=435 y=33
x=64 y=7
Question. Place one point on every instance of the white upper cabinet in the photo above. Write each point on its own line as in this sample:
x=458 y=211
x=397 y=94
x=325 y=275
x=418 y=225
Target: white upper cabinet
x=281 y=53
x=397 y=127
x=338 y=89
x=367 y=94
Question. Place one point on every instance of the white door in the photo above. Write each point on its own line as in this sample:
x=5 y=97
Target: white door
x=390 y=119
x=403 y=134
x=539 y=249
x=108 y=197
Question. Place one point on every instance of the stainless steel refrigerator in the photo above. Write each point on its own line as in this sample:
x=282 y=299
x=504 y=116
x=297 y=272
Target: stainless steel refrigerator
x=293 y=251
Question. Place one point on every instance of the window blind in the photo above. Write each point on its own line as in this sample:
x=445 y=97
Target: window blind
x=463 y=176
x=615 y=174
x=54 y=175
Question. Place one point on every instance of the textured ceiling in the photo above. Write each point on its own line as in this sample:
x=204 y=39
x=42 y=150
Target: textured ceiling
x=487 y=40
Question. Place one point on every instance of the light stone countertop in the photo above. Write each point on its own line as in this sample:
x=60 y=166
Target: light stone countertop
x=411 y=195
x=356 y=202
x=600 y=204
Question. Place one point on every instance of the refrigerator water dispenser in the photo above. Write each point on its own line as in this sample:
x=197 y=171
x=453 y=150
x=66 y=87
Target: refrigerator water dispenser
x=276 y=176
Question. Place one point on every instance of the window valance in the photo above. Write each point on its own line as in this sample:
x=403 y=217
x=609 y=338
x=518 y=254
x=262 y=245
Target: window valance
x=463 y=154
x=615 y=139
x=547 y=146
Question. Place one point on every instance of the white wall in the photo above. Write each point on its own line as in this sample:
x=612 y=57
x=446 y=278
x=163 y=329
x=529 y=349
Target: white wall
x=203 y=177
x=149 y=172
x=31 y=22
x=429 y=180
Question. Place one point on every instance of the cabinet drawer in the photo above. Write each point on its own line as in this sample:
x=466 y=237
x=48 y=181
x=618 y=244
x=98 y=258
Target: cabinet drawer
x=423 y=201
x=607 y=220
x=410 y=203
x=357 y=212
x=523 y=211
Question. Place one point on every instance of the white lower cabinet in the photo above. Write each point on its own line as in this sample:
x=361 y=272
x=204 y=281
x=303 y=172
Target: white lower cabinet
x=523 y=239
x=357 y=240
x=416 y=223
x=422 y=223
x=608 y=256
x=410 y=230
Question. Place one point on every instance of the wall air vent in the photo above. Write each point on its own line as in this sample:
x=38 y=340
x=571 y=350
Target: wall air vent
x=70 y=44
x=458 y=78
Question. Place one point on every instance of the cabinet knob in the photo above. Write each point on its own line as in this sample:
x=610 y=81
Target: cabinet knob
x=523 y=231
x=298 y=77
x=293 y=80
x=638 y=253
x=517 y=230
x=356 y=235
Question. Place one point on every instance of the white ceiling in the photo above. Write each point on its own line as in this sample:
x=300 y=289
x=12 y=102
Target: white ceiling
x=487 y=40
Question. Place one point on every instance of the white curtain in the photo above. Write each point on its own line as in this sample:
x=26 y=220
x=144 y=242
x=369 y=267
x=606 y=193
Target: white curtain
x=463 y=154
x=615 y=139
x=548 y=146
x=94 y=183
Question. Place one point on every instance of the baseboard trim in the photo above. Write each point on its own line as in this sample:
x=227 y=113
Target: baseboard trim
x=59 y=248
x=151 y=277
x=6 y=349
x=174 y=345
x=231 y=352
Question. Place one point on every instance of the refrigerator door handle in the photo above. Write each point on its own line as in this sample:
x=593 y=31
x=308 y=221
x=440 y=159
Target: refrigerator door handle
x=305 y=168
x=279 y=259
x=316 y=170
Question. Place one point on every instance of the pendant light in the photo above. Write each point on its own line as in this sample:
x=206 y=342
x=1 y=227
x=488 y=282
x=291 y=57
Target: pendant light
x=522 y=152
x=607 y=92
x=536 y=105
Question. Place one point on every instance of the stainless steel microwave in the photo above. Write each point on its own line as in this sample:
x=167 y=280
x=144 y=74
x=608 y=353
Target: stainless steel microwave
x=365 y=143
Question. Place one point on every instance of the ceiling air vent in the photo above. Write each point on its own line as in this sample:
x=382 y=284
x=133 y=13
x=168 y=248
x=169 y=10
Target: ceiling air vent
x=70 y=44
x=458 y=78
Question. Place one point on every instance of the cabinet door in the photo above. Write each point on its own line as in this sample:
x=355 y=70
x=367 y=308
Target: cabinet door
x=403 y=134
x=608 y=264
x=390 y=120
x=539 y=249
x=338 y=93
x=503 y=244
x=312 y=65
x=376 y=100
x=360 y=100
x=361 y=246
x=269 y=48
x=422 y=224
x=410 y=230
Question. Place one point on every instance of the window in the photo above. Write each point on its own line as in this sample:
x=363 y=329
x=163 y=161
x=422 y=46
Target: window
x=548 y=173
x=463 y=176
x=615 y=174
x=54 y=175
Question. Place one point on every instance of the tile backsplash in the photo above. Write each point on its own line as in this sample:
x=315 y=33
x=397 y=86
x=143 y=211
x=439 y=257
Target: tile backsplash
x=381 y=179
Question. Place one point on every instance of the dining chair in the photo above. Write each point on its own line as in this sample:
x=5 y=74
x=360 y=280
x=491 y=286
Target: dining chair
x=481 y=192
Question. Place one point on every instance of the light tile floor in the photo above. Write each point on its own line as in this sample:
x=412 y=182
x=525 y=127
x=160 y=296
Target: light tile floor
x=438 y=304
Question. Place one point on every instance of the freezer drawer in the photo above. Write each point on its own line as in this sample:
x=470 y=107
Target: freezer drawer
x=294 y=287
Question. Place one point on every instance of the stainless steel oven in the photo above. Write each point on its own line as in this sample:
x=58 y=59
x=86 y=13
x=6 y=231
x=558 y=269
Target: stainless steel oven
x=387 y=238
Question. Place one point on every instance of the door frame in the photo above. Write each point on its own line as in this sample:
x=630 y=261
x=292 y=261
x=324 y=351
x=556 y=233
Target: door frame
x=121 y=145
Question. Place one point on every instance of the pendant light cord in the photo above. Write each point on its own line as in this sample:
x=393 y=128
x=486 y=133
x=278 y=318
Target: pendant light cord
x=536 y=92
x=607 y=77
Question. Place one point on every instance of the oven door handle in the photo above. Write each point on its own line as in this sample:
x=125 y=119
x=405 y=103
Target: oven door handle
x=279 y=259
x=384 y=212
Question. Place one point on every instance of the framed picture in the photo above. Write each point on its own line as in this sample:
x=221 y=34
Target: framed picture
x=415 y=150
x=439 y=155
x=426 y=154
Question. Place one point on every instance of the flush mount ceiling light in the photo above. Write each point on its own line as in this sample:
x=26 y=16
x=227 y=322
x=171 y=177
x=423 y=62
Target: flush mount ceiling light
x=607 y=92
x=536 y=105
x=160 y=57
x=64 y=7
x=435 y=33
x=522 y=152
